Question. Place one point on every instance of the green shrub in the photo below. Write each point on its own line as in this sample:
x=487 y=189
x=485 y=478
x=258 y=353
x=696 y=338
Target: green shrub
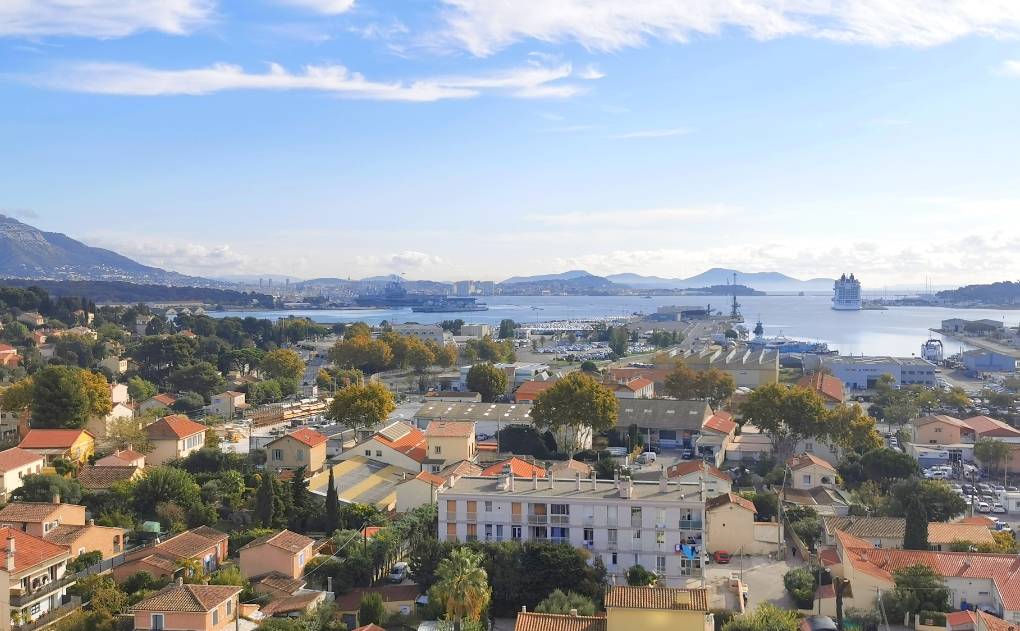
x=800 y=584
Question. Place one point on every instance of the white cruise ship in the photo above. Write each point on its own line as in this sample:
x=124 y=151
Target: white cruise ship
x=846 y=294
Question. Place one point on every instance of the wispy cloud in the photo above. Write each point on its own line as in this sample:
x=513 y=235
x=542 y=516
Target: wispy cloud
x=325 y=7
x=638 y=218
x=652 y=133
x=102 y=18
x=407 y=260
x=591 y=73
x=530 y=81
x=1011 y=67
x=484 y=27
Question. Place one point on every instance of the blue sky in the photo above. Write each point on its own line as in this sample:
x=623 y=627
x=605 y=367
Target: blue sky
x=487 y=138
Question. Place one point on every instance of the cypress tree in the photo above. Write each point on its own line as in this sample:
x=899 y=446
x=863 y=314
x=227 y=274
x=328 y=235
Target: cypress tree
x=915 y=532
x=332 y=506
x=264 y=501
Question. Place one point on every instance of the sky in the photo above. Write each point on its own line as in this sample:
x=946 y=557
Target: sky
x=451 y=139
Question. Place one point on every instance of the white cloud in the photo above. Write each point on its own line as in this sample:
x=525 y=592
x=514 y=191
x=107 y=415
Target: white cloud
x=400 y=261
x=325 y=7
x=1011 y=67
x=652 y=133
x=591 y=73
x=184 y=257
x=484 y=27
x=101 y=18
x=529 y=81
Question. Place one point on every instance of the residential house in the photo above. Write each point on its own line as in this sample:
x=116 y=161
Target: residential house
x=39 y=518
x=88 y=537
x=528 y=391
x=625 y=522
x=453 y=396
x=15 y=464
x=887 y=532
x=397 y=599
x=301 y=448
x=174 y=436
x=33 y=577
x=75 y=445
x=828 y=386
x=420 y=490
x=121 y=458
x=203 y=544
x=657 y=609
x=284 y=553
x=957 y=437
x=119 y=393
x=808 y=471
x=101 y=426
x=9 y=357
x=697 y=472
x=519 y=467
x=228 y=404
x=156 y=403
x=821 y=499
x=31 y=318
x=664 y=422
x=116 y=365
x=361 y=480
x=97 y=478
x=397 y=444
x=635 y=388
x=730 y=526
x=188 y=607
x=941 y=430
x=451 y=441
x=304 y=601
x=531 y=621
x=717 y=433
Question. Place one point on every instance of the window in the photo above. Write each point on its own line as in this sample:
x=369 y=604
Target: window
x=488 y=507
x=194 y=441
x=809 y=446
x=807 y=479
x=437 y=450
x=635 y=516
x=216 y=616
x=157 y=621
x=660 y=516
x=612 y=536
x=660 y=565
x=378 y=453
x=301 y=558
x=938 y=430
x=36 y=609
x=612 y=559
x=277 y=454
x=368 y=452
x=589 y=536
x=499 y=532
x=230 y=606
x=637 y=535
x=660 y=537
x=515 y=533
x=488 y=531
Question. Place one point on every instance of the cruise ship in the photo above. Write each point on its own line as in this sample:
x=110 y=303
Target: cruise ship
x=846 y=294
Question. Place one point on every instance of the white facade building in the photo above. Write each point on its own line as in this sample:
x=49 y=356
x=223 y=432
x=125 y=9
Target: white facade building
x=862 y=373
x=659 y=525
x=425 y=332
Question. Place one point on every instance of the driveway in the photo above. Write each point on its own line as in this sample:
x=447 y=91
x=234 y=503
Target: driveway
x=763 y=577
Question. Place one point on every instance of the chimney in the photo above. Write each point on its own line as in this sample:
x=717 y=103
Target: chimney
x=573 y=612
x=130 y=447
x=511 y=482
x=626 y=488
x=453 y=480
x=56 y=498
x=578 y=481
x=92 y=522
x=549 y=474
x=616 y=479
x=534 y=480
x=505 y=477
x=524 y=609
x=10 y=553
x=663 y=483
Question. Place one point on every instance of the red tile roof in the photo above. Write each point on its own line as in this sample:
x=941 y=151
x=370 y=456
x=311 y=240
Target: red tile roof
x=807 y=460
x=628 y=597
x=941 y=418
x=519 y=468
x=412 y=444
x=729 y=498
x=721 y=422
x=994 y=623
x=15 y=457
x=828 y=386
x=960 y=618
x=530 y=621
x=431 y=478
x=29 y=551
x=450 y=429
x=988 y=426
x=636 y=384
x=188 y=598
x=285 y=540
x=165 y=399
x=52 y=438
x=681 y=469
x=528 y=390
x=174 y=427
x=306 y=436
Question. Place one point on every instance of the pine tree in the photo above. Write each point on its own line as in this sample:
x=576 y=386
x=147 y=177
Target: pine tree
x=915 y=532
x=332 y=506
x=264 y=501
x=299 y=500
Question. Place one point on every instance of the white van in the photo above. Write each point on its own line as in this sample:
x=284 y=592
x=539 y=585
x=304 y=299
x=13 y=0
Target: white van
x=647 y=457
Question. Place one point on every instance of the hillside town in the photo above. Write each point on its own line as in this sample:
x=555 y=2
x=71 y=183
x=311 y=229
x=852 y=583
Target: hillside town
x=164 y=469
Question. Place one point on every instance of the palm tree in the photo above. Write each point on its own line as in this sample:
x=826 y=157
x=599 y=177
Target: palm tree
x=463 y=586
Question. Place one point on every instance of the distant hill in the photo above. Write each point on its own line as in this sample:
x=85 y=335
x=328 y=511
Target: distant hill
x=105 y=291
x=573 y=282
x=763 y=281
x=27 y=252
x=1004 y=293
x=564 y=276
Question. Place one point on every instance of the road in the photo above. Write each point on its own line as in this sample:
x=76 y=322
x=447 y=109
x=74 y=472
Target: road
x=763 y=577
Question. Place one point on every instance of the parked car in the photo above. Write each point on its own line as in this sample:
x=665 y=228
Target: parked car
x=983 y=507
x=721 y=557
x=647 y=457
x=397 y=573
x=998 y=508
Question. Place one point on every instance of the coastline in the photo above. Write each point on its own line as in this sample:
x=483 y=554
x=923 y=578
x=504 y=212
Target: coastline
x=980 y=342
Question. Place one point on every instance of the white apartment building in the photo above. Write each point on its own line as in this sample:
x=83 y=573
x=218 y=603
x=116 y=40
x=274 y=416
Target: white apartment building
x=659 y=525
x=425 y=332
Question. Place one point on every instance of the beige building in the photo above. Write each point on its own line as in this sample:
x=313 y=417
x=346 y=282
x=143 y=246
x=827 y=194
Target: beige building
x=284 y=553
x=89 y=537
x=116 y=365
x=228 y=404
x=748 y=368
x=100 y=426
x=156 y=403
x=697 y=472
x=730 y=527
x=75 y=445
x=808 y=471
x=941 y=430
x=174 y=436
x=657 y=609
x=301 y=448
x=420 y=490
x=40 y=518
x=398 y=444
x=15 y=464
x=451 y=441
x=182 y=607
x=887 y=532
x=204 y=544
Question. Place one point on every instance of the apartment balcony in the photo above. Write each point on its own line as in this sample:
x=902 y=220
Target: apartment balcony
x=471 y=516
x=559 y=539
x=492 y=539
x=68 y=605
x=694 y=524
x=471 y=538
x=589 y=520
x=538 y=519
x=21 y=597
x=559 y=519
x=451 y=516
x=516 y=519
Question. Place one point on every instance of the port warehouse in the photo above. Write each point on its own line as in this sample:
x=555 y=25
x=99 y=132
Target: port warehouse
x=863 y=372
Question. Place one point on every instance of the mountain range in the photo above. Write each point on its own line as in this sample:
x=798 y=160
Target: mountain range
x=27 y=252
x=763 y=281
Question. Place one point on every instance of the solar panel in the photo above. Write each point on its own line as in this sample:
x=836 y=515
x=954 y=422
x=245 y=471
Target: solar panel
x=395 y=431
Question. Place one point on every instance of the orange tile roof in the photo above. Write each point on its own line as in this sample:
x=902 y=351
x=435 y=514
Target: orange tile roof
x=165 y=399
x=571 y=466
x=530 y=621
x=33 y=512
x=941 y=418
x=721 y=422
x=460 y=469
x=96 y=478
x=994 y=623
x=960 y=618
x=528 y=390
x=431 y=478
x=656 y=598
x=829 y=386
x=681 y=469
x=52 y=438
x=519 y=468
x=450 y=429
x=15 y=457
x=174 y=427
x=828 y=557
x=191 y=542
x=412 y=444
x=983 y=520
x=306 y=436
x=636 y=384
x=729 y=498
x=988 y=426
x=806 y=460
x=188 y=598
x=29 y=550
x=285 y=540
